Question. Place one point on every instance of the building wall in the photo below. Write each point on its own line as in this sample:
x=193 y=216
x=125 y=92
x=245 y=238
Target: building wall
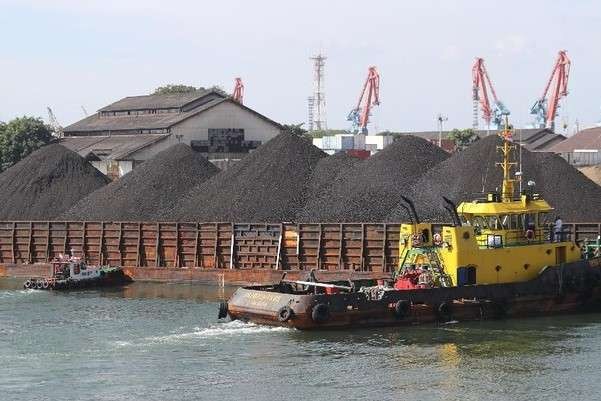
x=581 y=158
x=113 y=168
x=224 y=115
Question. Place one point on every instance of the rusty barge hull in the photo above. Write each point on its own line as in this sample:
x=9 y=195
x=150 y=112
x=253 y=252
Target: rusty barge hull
x=232 y=253
x=561 y=289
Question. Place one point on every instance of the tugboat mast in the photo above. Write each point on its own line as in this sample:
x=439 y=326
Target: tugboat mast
x=508 y=188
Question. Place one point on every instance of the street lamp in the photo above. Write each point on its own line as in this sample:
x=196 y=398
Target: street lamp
x=441 y=118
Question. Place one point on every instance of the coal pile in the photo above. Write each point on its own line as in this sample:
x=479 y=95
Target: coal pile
x=574 y=196
x=330 y=171
x=472 y=173
x=369 y=190
x=267 y=185
x=46 y=183
x=139 y=195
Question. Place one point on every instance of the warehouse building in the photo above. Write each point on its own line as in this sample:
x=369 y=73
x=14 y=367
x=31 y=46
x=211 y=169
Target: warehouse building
x=128 y=132
x=581 y=149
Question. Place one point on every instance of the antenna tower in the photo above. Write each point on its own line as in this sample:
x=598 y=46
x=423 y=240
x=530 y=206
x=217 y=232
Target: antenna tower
x=318 y=103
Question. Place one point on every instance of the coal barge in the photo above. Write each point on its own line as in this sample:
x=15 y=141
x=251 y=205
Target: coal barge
x=70 y=272
x=501 y=257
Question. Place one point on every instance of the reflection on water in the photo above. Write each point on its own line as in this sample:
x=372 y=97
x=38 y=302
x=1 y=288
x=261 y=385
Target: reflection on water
x=140 y=289
x=154 y=341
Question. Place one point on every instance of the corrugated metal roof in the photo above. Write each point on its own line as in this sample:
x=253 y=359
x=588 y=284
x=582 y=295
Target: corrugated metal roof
x=97 y=123
x=531 y=138
x=175 y=100
x=114 y=147
x=589 y=138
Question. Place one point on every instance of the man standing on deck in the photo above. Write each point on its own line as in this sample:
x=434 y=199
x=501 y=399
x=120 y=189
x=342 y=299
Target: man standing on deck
x=557 y=229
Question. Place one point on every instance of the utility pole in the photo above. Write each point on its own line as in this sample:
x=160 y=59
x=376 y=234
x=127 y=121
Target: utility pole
x=441 y=118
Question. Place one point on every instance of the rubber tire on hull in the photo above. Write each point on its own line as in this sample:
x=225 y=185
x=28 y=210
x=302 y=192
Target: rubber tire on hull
x=39 y=285
x=444 y=311
x=223 y=309
x=27 y=285
x=285 y=313
x=320 y=313
x=402 y=308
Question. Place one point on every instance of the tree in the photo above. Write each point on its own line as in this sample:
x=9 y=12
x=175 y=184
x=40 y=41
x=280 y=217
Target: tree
x=178 y=88
x=171 y=88
x=20 y=137
x=463 y=138
x=295 y=129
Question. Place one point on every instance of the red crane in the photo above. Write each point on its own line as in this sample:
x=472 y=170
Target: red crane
x=238 y=93
x=481 y=85
x=370 y=96
x=546 y=110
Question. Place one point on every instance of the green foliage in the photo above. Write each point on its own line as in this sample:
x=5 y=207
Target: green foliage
x=177 y=88
x=295 y=129
x=463 y=138
x=172 y=88
x=20 y=137
x=395 y=135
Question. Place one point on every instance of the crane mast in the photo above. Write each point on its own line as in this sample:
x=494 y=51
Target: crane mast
x=481 y=86
x=545 y=109
x=370 y=97
x=56 y=127
x=238 y=93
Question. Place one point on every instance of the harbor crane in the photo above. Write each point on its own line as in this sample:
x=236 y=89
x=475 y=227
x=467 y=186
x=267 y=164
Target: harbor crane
x=545 y=108
x=481 y=86
x=238 y=93
x=370 y=97
x=56 y=127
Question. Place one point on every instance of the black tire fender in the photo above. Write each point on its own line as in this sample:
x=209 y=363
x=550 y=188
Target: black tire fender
x=223 y=310
x=445 y=311
x=27 y=284
x=320 y=313
x=285 y=313
x=402 y=308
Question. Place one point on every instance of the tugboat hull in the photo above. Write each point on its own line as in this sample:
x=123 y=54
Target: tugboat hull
x=559 y=289
x=114 y=277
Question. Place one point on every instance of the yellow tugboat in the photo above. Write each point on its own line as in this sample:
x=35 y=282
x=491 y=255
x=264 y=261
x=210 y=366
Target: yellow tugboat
x=502 y=256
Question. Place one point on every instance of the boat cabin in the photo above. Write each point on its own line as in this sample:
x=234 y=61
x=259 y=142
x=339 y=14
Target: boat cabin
x=500 y=239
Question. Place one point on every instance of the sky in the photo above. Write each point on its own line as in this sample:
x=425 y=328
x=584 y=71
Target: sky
x=69 y=54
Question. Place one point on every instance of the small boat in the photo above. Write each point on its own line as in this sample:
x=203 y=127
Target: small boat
x=69 y=272
x=500 y=257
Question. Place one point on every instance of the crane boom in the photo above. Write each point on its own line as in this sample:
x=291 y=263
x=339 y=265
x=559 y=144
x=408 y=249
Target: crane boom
x=56 y=127
x=370 y=97
x=545 y=109
x=238 y=93
x=481 y=85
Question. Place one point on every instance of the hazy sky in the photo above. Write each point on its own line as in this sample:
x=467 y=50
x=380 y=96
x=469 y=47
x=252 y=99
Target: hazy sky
x=72 y=53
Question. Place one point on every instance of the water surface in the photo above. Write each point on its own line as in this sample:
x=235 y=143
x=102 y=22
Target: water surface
x=152 y=341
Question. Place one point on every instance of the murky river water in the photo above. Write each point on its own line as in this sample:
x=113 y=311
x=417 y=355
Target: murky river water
x=163 y=342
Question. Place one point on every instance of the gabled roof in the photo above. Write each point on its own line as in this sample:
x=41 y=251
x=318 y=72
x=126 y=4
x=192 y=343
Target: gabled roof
x=169 y=101
x=114 y=147
x=589 y=139
x=160 y=121
x=97 y=123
